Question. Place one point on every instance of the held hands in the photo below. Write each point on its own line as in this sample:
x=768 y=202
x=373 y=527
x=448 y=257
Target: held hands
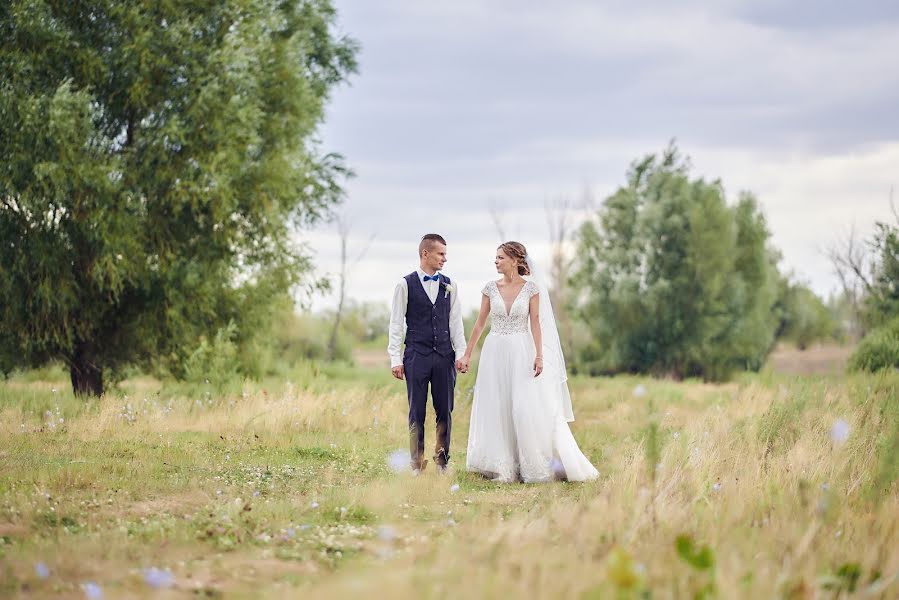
x=398 y=371
x=538 y=366
x=462 y=364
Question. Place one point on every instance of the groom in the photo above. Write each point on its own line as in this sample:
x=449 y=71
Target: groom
x=426 y=302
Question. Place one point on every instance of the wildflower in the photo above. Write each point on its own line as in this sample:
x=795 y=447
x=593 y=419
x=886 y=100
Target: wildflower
x=158 y=578
x=555 y=465
x=639 y=391
x=92 y=591
x=839 y=432
x=716 y=486
x=386 y=533
x=398 y=461
x=42 y=570
x=314 y=504
x=454 y=488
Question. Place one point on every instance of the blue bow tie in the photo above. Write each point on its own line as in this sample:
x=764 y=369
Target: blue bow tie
x=432 y=278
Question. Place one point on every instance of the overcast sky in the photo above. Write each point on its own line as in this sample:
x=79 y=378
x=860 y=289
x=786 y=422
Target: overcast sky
x=461 y=104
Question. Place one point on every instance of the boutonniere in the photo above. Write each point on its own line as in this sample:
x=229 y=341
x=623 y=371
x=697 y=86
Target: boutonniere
x=448 y=289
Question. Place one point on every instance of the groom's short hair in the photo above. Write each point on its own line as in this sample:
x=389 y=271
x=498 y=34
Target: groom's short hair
x=428 y=240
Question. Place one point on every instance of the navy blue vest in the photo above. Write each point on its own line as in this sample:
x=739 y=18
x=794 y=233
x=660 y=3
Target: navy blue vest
x=427 y=325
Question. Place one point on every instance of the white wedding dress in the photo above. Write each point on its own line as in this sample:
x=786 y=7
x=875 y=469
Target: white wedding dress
x=519 y=423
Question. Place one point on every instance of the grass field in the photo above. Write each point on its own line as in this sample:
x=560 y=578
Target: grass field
x=773 y=486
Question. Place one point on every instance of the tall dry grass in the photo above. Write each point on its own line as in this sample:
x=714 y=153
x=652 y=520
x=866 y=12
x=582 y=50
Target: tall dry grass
x=287 y=490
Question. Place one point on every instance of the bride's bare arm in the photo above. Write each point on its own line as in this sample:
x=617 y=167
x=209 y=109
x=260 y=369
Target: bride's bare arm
x=477 y=330
x=537 y=333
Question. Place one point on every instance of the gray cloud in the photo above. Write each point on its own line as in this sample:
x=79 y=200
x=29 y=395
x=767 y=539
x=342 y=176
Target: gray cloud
x=458 y=103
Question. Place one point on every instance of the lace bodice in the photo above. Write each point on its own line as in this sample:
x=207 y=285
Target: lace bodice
x=516 y=321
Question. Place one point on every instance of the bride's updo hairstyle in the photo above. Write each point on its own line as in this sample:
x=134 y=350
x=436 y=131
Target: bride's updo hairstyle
x=517 y=252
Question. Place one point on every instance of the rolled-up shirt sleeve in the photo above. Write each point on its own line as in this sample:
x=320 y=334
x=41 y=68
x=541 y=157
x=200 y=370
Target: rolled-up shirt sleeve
x=457 y=328
x=397 y=330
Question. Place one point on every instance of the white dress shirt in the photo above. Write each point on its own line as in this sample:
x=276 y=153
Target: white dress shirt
x=397 y=331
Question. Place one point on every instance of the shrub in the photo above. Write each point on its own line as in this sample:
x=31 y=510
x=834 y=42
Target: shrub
x=878 y=350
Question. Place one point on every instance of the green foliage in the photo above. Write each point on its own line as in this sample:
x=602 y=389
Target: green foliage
x=878 y=350
x=702 y=559
x=652 y=444
x=156 y=158
x=844 y=579
x=214 y=362
x=365 y=322
x=886 y=475
x=804 y=317
x=297 y=337
x=672 y=280
x=882 y=301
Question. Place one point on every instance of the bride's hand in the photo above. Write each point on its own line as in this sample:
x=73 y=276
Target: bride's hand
x=538 y=366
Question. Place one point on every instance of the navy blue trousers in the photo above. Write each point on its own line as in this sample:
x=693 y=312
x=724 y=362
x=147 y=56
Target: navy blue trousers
x=438 y=372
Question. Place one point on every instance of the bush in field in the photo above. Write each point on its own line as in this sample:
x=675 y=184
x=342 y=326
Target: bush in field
x=214 y=361
x=878 y=350
x=804 y=317
x=296 y=337
x=156 y=158
x=672 y=280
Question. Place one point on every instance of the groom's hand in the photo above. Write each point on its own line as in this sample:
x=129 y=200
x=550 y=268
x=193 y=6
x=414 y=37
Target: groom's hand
x=398 y=371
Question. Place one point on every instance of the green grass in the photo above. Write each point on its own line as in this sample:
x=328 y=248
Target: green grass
x=283 y=488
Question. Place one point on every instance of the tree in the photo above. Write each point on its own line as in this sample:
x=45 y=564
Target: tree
x=869 y=273
x=346 y=265
x=155 y=159
x=673 y=281
x=879 y=349
x=853 y=264
x=804 y=317
x=882 y=303
x=562 y=216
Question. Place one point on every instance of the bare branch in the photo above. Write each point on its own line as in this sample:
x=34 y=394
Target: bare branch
x=850 y=258
x=364 y=250
x=893 y=207
x=496 y=211
x=558 y=214
x=588 y=200
x=344 y=227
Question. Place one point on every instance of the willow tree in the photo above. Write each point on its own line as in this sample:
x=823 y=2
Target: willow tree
x=155 y=159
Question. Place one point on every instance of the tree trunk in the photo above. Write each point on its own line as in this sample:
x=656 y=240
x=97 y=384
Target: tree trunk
x=332 y=343
x=86 y=374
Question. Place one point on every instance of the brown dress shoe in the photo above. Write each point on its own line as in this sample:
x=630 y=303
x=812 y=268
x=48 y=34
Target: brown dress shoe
x=441 y=460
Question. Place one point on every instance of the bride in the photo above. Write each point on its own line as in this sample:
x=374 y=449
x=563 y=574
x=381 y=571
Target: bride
x=519 y=420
